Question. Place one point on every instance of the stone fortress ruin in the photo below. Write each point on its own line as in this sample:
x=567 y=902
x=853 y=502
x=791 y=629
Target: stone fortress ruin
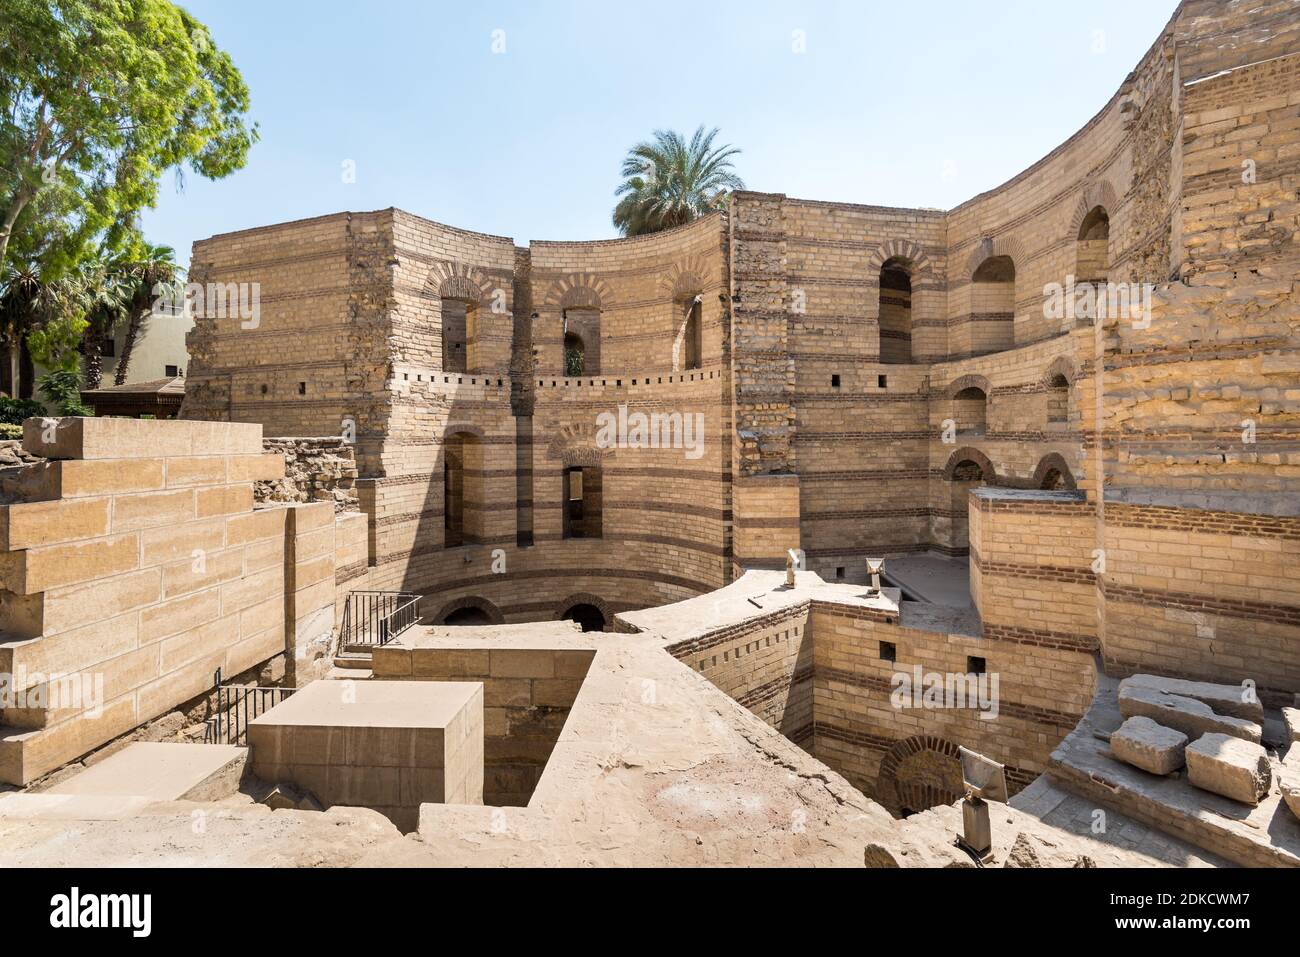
x=1066 y=415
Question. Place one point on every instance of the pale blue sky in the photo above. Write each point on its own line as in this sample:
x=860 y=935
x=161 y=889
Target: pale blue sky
x=920 y=103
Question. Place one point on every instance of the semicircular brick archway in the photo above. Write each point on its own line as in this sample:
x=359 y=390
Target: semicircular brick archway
x=970 y=455
x=919 y=773
x=586 y=598
x=472 y=601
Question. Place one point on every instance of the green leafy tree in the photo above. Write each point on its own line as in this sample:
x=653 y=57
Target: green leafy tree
x=98 y=98
x=668 y=181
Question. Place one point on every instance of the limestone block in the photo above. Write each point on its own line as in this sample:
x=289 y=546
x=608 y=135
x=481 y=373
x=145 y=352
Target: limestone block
x=1292 y=718
x=1187 y=715
x=32 y=524
x=111 y=438
x=1231 y=700
x=1149 y=746
x=1229 y=766
x=1293 y=800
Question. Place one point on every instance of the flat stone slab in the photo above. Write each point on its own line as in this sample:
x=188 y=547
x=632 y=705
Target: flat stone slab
x=1236 y=701
x=1193 y=718
x=162 y=771
x=1236 y=769
x=72 y=807
x=1149 y=746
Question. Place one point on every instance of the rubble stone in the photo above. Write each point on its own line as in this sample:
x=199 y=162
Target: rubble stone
x=1228 y=766
x=1149 y=746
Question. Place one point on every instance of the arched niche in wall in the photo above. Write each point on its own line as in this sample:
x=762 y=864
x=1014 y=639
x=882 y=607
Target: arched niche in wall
x=896 y=311
x=993 y=305
x=1092 y=247
x=462 y=487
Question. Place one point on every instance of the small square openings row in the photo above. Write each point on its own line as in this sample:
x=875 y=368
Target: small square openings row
x=460 y=380
x=882 y=381
x=618 y=383
x=974 y=665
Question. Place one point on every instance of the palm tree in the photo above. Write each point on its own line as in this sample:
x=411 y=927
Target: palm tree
x=669 y=182
x=154 y=267
x=104 y=292
x=29 y=302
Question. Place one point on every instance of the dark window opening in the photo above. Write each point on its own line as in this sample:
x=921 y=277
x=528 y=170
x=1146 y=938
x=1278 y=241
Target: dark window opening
x=976 y=666
x=588 y=616
x=582 y=502
x=888 y=651
x=835 y=382
x=882 y=381
x=468 y=616
x=693 y=344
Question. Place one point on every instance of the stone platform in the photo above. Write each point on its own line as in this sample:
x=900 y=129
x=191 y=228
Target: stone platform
x=390 y=746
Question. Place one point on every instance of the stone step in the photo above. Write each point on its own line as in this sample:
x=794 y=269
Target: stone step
x=353 y=661
x=163 y=771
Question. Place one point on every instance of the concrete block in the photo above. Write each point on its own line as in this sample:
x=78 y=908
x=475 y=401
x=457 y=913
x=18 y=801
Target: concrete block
x=1149 y=746
x=1193 y=718
x=1225 y=765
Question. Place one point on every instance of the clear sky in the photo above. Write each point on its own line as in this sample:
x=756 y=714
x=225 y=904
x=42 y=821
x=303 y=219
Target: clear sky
x=920 y=103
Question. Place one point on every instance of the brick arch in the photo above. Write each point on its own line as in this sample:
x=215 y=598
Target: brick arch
x=452 y=280
x=463 y=428
x=972 y=455
x=586 y=598
x=470 y=601
x=905 y=249
x=575 y=445
x=968 y=382
x=888 y=793
x=1054 y=461
x=684 y=279
x=990 y=247
x=579 y=291
x=1100 y=193
x=1062 y=366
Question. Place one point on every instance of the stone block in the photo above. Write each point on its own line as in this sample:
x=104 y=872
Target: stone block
x=1228 y=766
x=114 y=438
x=387 y=745
x=1232 y=700
x=1292 y=718
x=1193 y=718
x=33 y=524
x=1149 y=746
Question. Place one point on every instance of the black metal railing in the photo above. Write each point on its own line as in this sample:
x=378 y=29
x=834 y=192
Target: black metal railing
x=235 y=707
x=377 y=617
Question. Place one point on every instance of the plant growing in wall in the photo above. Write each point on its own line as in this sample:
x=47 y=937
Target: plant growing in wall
x=668 y=181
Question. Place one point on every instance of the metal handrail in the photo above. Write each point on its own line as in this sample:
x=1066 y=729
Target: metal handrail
x=236 y=707
x=377 y=617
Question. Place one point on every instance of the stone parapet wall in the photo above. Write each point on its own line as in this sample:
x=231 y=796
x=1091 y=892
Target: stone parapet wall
x=134 y=566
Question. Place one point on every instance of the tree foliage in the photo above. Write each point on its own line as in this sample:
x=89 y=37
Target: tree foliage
x=669 y=181
x=98 y=98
